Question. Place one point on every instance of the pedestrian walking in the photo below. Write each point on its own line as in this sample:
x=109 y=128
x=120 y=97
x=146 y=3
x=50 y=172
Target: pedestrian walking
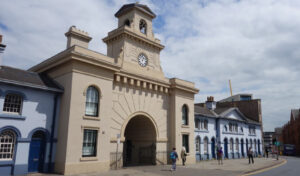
x=174 y=158
x=183 y=155
x=220 y=155
x=250 y=155
x=266 y=152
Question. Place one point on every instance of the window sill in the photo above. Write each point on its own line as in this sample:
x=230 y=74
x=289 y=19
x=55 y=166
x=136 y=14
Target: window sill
x=6 y=161
x=251 y=134
x=92 y=158
x=12 y=116
x=236 y=133
x=203 y=131
x=185 y=126
x=91 y=118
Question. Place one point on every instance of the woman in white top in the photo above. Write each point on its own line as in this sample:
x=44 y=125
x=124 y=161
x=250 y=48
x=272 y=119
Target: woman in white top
x=183 y=155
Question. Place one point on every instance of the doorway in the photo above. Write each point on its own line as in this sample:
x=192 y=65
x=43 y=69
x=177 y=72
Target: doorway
x=226 y=147
x=140 y=142
x=213 y=152
x=37 y=152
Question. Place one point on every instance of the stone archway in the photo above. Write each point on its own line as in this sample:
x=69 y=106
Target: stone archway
x=140 y=142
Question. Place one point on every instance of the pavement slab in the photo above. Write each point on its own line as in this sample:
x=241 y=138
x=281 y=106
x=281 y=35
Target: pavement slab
x=203 y=168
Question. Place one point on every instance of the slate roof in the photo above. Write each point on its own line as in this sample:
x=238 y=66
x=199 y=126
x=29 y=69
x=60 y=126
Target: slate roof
x=203 y=111
x=20 y=77
x=220 y=110
x=127 y=7
x=220 y=113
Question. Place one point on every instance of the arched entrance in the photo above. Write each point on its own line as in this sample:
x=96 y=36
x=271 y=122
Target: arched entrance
x=258 y=142
x=37 y=152
x=213 y=152
x=140 y=142
x=226 y=147
x=247 y=147
x=242 y=147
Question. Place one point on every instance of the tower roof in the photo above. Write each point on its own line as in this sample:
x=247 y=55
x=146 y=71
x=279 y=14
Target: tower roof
x=128 y=7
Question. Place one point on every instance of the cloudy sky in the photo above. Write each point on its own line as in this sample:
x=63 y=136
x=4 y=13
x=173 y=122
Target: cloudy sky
x=255 y=43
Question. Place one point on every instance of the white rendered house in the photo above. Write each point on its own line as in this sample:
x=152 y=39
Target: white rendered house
x=228 y=128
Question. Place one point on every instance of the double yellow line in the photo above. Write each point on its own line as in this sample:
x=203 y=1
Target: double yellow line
x=265 y=169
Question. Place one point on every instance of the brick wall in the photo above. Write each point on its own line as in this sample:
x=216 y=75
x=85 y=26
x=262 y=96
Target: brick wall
x=251 y=109
x=291 y=133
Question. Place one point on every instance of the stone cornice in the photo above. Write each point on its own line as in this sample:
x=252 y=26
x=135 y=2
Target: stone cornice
x=125 y=32
x=183 y=85
x=80 y=54
x=141 y=83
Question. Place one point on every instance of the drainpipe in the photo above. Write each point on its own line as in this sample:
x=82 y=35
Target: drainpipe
x=217 y=131
x=52 y=132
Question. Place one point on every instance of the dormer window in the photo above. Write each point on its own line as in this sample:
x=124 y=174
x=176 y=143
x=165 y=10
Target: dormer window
x=143 y=26
x=127 y=23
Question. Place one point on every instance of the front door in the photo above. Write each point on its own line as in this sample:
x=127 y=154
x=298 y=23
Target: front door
x=213 y=148
x=36 y=155
x=226 y=148
x=242 y=148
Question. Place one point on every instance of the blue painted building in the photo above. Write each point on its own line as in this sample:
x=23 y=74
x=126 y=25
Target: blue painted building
x=226 y=127
x=28 y=110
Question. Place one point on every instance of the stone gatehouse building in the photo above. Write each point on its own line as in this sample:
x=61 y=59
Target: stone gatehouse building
x=119 y=109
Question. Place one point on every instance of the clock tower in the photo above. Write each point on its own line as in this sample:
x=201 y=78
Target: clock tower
x=133 y=44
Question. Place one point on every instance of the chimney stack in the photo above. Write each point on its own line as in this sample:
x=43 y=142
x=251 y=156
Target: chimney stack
x=2 y=46
x=210 y=103
x=77 y=37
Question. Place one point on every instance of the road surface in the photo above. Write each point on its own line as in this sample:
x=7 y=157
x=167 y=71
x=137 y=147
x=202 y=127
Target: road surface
x=291 y=168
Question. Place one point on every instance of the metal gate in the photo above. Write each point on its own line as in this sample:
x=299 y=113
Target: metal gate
x=147 y=155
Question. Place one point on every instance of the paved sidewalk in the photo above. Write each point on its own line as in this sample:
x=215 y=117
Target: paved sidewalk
x=205 y=168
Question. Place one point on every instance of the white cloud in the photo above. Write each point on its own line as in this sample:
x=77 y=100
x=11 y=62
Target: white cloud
x=252 y=42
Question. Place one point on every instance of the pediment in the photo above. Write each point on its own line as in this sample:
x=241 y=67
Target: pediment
x=235 y=114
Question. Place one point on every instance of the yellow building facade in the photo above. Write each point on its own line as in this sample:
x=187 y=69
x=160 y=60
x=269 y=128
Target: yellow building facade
x=119 y=109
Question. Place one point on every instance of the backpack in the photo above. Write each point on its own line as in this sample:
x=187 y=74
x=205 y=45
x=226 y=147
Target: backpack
x=172 y=155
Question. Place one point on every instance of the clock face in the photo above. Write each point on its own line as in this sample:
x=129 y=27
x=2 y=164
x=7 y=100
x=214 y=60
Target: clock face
x=143 y=60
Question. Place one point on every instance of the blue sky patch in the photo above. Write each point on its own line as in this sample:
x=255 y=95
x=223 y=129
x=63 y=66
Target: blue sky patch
x=3 y=27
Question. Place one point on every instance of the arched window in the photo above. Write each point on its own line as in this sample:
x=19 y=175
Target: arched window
x=205 y=145
x=225 y=128
x=197 y=124
x=185 y=115
x=92 y=101
x=127 y=22
x=205 y=124
x=13 y=103
x=143 y=26
x=237 y=144
x=7 y=145
x=201 y=124
x=198 y=140
x=231 y=145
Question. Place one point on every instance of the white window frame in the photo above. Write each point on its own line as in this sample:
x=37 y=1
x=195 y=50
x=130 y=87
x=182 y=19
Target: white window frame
x=7 y=145
x=89 y=101
x=198 y=144
x=9 y=106
x=205 y=142
x=86 y=142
